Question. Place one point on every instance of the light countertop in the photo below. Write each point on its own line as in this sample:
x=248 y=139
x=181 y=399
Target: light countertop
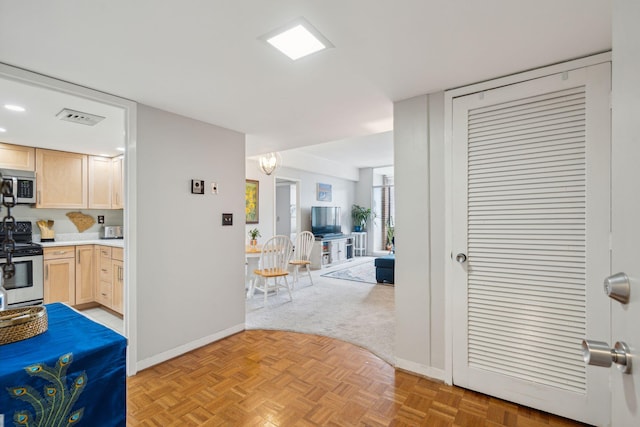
x=116 y=243
x=78 y=239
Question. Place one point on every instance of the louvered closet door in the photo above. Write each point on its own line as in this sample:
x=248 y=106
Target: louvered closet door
x=531 y=212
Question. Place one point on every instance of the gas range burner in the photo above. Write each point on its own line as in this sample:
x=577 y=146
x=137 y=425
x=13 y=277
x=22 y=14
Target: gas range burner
x=23 y=238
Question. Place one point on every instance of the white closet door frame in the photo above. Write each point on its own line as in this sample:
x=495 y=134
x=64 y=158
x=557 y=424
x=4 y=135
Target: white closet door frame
x=598 y=259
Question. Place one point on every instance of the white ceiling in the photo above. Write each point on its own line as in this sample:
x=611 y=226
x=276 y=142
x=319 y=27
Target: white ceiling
x=203 y=58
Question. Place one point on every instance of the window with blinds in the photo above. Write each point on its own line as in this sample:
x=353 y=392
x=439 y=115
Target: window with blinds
x=526 y=238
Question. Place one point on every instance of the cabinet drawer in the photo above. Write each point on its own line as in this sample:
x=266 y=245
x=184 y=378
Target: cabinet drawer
x=117 y=254
x=60 y=252
x=105 y=252
x=104 y=295
x=105 y=271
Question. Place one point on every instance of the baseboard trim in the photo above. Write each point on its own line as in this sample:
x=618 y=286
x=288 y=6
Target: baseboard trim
x=174 y=352
x=417 y=368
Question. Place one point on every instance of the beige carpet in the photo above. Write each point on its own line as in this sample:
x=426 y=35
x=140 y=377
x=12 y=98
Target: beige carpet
x=357 y=312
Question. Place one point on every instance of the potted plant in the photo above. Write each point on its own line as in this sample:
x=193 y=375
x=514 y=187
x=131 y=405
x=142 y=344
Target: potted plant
x=390 y=235
x=360 y=216
x=254 y=234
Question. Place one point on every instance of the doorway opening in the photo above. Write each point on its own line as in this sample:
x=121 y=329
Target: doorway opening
x=287 y=207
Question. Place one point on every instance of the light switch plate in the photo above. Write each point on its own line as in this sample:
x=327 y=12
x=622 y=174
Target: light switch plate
x=214 y=188
x=197 y=186
x=227 y=219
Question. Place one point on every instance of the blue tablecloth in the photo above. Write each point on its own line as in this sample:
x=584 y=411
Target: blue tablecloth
x=74 y=373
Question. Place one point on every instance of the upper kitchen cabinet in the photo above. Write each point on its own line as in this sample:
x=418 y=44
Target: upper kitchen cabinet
x=100 y=182
x=17 y=157
x=117 y=182
x=61 y=179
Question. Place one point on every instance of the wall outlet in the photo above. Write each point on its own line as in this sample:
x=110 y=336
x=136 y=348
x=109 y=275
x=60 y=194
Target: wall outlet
x=100 y=219
x=227 y=219
x=214 y=188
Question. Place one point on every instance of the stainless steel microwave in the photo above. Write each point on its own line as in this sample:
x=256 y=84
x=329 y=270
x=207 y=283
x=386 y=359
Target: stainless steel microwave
x=23 y=184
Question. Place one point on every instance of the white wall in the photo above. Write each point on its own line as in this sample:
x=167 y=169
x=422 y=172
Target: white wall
x=419 y=228
x=190 y=268
x=625 y=201
x=364 y=197
x=343 y=195
x=283 y=209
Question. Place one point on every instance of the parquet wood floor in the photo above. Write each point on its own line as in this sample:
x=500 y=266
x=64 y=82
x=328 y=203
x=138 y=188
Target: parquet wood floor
x=277 y=378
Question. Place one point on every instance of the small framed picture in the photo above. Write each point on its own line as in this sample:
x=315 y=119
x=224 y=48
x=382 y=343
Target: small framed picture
x=323 y=192
x=251 y=199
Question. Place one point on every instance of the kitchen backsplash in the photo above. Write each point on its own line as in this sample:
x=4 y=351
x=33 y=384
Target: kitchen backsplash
x=62 y=224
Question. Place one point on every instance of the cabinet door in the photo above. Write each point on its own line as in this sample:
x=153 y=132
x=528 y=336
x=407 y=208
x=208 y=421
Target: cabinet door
x=17 y=157
x=117 y=180
x=85 y=274
x=118 y=285
x=59 y=281
x=100 y=172
x=341 y=250
x=61 y=179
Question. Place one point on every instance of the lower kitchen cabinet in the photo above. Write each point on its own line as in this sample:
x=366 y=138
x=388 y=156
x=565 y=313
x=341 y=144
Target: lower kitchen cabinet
x=118 y=285
x=60 y=275
x=85 y=274
x=117 y=271
x=110 y=287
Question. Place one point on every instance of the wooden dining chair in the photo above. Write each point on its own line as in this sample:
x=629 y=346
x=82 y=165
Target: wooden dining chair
x=302 y=254
x=274 y=262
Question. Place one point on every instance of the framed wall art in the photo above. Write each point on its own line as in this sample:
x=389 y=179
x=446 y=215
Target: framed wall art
x=323 y=192
x=251 y=198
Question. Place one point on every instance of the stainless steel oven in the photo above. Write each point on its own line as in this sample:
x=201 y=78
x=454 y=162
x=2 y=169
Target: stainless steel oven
x=26 y=287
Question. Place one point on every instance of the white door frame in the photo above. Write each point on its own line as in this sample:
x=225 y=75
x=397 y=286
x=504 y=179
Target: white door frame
x=448 y=138
x=298 y=183
x=129 y=214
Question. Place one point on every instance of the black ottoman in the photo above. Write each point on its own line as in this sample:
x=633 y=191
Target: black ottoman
x=385 y=268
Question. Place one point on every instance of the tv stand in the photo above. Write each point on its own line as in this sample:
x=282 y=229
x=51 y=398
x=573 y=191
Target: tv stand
x=331 y=250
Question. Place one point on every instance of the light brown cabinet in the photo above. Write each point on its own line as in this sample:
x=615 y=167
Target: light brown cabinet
x=110 y=286
x=17 y=157
x=61 y=179
x=60 y=275
x=117 y=183
x=100 y=182
x=85 y=274
x=118 y=285
x=104 y=288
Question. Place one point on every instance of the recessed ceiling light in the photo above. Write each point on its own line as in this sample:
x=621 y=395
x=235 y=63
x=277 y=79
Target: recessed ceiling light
x=297 y=39
x=120 y=149
x=14 y=107
x=2 y=130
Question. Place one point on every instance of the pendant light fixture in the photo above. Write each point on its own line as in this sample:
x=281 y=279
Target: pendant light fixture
x=269 y=162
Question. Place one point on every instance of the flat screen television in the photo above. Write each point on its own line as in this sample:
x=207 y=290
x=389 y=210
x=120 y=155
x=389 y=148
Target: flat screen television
x=325 y=220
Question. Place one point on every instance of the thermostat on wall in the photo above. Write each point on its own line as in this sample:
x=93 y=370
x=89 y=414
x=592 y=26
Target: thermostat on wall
x=197 y=186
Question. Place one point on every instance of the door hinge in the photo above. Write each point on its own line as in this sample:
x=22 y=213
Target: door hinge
x=610 y=241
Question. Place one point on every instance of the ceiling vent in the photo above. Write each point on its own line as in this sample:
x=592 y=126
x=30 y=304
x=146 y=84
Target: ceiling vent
x=74 y=116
